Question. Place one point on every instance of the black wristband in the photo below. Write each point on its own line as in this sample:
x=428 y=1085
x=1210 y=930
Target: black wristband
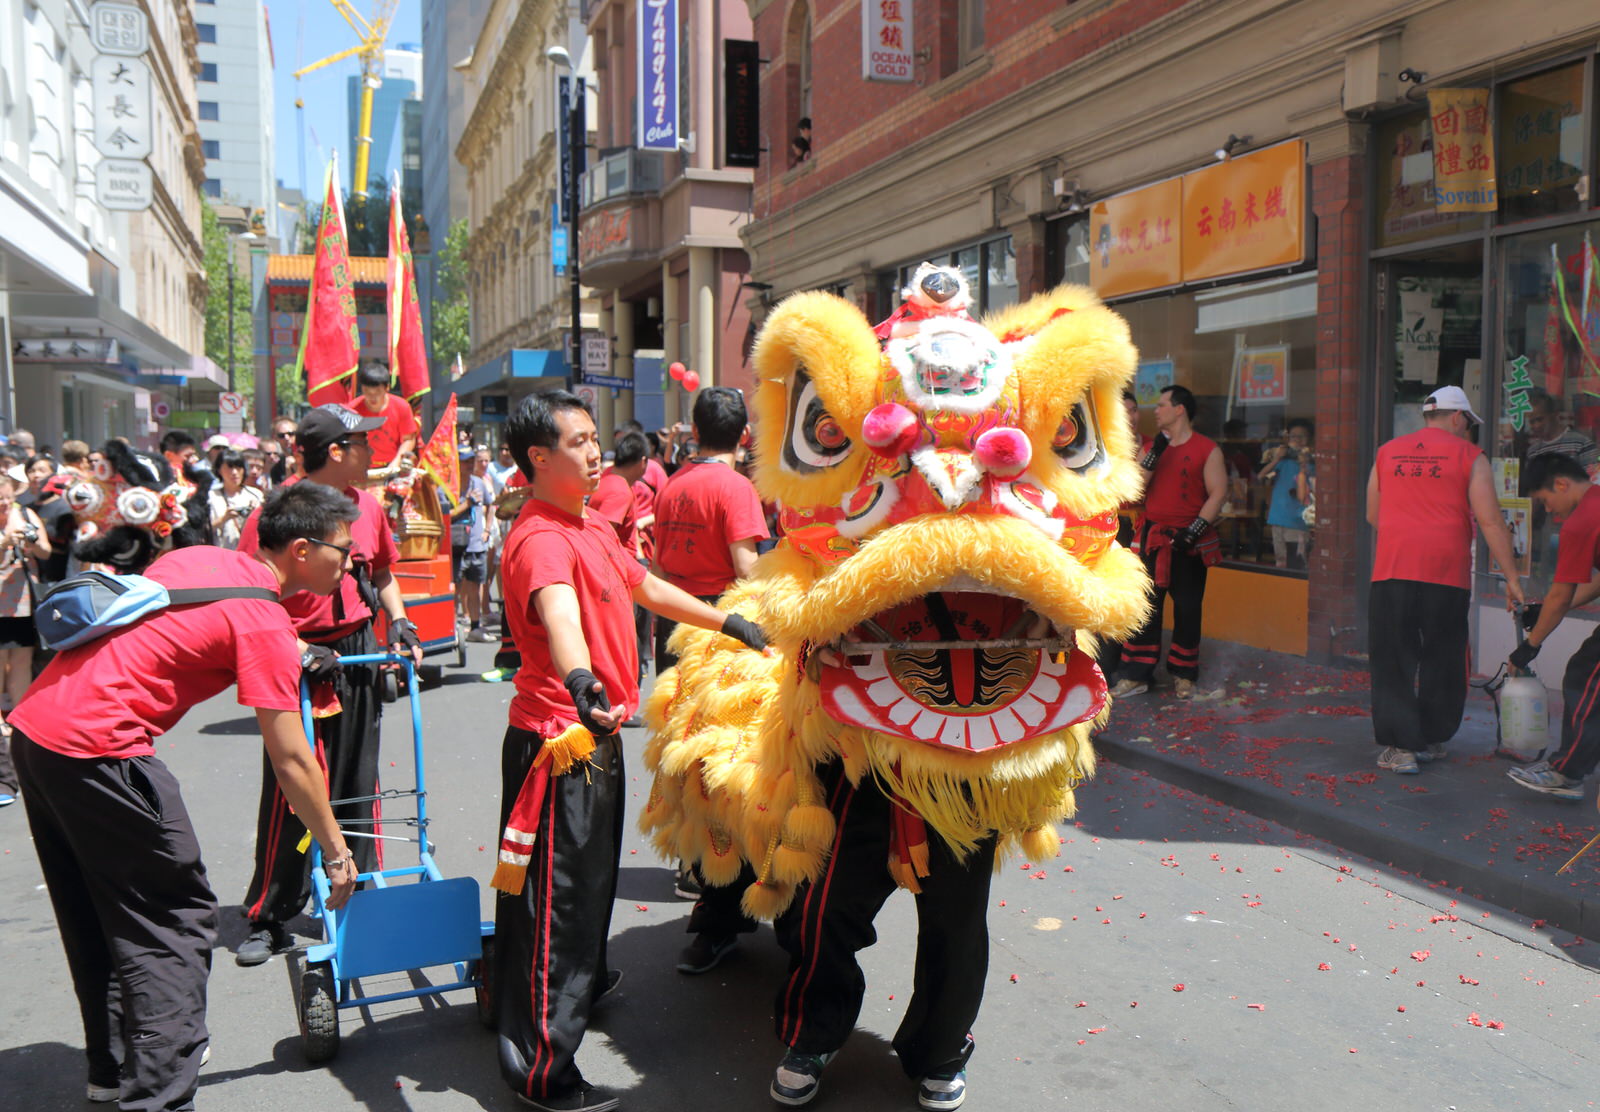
x=743 y=629
x=319 y=661
x=402 y=630
x=581 y=685
x=1157 y=446
x=1523 y=654
x=1530 y=614
x=1197 y=529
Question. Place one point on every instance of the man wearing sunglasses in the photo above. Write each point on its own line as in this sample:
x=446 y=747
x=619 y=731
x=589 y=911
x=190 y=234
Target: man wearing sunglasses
x=334 y=451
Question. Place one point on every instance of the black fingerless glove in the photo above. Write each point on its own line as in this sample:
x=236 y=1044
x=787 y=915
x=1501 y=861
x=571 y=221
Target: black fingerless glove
x=403 y=632
x=1523 y=655
x=743 y=629
x=1530 y=614
x=1157 y=446
x=1186 y=540
x=581 y=685
x=319 y=662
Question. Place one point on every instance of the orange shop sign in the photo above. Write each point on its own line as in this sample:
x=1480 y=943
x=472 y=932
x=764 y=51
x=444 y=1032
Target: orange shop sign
x=1134 y=240
x=1245 y=214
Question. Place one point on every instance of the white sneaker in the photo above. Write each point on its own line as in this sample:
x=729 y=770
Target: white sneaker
x=1402 y=761
x=1129 y=687
x=1182 y=688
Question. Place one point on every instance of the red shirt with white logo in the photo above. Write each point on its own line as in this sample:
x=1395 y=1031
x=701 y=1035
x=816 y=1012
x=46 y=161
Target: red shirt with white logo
x=1425 y=521
x=398 y=424
x=613 y=500
x=547 y=546
x=1177 y=488
x=323 y=619
x=111 y=696
x=1578 y=554
x=705 y=507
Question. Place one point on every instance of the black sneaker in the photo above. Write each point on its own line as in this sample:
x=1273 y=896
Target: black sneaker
x=686 y=885
x=585 y=1098
x=798 y=1076
x=264 y=940
x=941 y=1092
x=706 y=952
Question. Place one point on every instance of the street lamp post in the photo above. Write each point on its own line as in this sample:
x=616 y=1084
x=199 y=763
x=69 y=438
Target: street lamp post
x=230 y=318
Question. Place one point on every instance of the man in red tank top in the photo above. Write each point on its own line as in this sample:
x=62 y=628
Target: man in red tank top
x=1183 y=496
x=1423 y=495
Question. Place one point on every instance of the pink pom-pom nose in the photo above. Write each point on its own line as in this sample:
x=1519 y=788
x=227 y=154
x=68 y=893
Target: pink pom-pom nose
x=890 y=429
x=1004 y=453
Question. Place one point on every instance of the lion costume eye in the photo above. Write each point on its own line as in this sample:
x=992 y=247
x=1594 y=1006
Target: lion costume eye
x=1077 y=441
x=815 y=438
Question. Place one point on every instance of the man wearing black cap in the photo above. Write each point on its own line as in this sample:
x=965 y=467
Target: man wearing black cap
x=335 y=452
x=1423 y=495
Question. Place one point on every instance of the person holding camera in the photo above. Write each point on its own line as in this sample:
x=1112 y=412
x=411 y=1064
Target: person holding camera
x=23 y=538
x=1289 y=468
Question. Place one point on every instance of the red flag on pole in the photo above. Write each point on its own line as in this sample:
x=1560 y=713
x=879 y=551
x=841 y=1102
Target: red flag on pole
x=440 y=458
x=408 y=357
x=330 y=347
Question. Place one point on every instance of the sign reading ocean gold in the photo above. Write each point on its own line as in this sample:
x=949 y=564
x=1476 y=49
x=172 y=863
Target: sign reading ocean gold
x=1134 y=240
x=1245 y=214
x=1463 y=151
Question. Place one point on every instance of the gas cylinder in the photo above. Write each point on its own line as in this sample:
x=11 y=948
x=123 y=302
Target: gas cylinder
x=1524 y=717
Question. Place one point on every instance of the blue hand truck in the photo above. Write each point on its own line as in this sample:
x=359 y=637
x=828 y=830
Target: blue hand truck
x=390 y=928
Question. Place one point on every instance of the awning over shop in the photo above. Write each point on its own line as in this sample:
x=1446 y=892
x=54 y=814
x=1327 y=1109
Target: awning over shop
x=63 y=313
x=519 y=364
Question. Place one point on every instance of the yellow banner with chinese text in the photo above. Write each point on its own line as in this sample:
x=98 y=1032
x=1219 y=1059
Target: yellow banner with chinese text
x=1245 y=214
x=1463 y=151
x=1134 y=241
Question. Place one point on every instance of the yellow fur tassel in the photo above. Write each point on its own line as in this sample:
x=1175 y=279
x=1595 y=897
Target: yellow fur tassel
x=766 y=899
x=1042 y=842
x=808 y=828
x=791 y=866
x=567 y=748
x=509 y=878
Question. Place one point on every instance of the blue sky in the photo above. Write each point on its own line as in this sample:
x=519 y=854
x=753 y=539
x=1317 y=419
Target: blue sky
x=304 y=31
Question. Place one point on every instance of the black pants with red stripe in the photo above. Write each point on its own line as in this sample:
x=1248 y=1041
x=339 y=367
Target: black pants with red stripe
x=1417 y=652
x=347 y=745
x=1188 y=590
x=831 y=918
x=1580 y=721
x=550 y=938
x=136 y=916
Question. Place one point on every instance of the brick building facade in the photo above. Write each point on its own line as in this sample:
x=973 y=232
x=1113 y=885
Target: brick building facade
x=1026 y=127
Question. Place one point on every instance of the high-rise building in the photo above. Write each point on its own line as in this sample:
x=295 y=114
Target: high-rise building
x=449 y=30
x=402 y=81
x=235 y=94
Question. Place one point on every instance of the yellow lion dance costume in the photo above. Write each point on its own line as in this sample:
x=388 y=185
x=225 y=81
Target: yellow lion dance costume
x=949 y=495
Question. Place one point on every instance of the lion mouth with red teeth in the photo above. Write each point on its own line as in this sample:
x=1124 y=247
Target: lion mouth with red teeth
x=961 y=669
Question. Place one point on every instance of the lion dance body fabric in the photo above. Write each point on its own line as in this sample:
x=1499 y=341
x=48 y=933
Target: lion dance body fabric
x=949 y=493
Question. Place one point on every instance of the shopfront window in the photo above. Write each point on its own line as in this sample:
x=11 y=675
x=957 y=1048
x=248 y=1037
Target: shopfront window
x=1549 y=397
x=1540 y=142
x=1249 y=354
x=1404 y=203
x=990 y=269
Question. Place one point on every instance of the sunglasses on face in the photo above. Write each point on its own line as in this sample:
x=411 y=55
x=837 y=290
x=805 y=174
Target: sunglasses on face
x=342 y=549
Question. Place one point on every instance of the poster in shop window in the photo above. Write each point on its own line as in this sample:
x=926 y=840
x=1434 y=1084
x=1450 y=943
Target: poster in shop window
x=1152 y=377
x=1463 y=151
x=1263 y=375
x=1518 y=513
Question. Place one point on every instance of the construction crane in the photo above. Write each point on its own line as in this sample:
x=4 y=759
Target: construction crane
x=372 y=33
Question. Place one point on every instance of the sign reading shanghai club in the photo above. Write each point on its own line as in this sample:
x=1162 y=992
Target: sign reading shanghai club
x=658 y=76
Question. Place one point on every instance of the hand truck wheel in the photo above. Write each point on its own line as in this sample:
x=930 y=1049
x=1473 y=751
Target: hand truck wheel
x=319 y=1012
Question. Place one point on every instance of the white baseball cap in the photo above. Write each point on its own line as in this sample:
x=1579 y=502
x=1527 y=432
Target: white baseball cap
x=218 y=441
x=1449 y=398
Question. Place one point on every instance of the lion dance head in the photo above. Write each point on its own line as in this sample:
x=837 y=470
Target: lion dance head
x=948 y=493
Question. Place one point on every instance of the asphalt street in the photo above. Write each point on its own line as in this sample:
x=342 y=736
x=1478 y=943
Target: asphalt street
x=1178 y=953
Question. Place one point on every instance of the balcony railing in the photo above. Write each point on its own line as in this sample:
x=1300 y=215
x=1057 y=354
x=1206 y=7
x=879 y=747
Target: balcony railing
x=626 y=173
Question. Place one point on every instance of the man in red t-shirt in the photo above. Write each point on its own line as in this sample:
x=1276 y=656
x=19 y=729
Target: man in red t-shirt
x=398 y=433
x=1561 y=485
x=1187 y=484
x=108 y=821
x=1423 y=494
x=613 y=498
x=708 y=517
x=569 y=592
x=333 y=446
